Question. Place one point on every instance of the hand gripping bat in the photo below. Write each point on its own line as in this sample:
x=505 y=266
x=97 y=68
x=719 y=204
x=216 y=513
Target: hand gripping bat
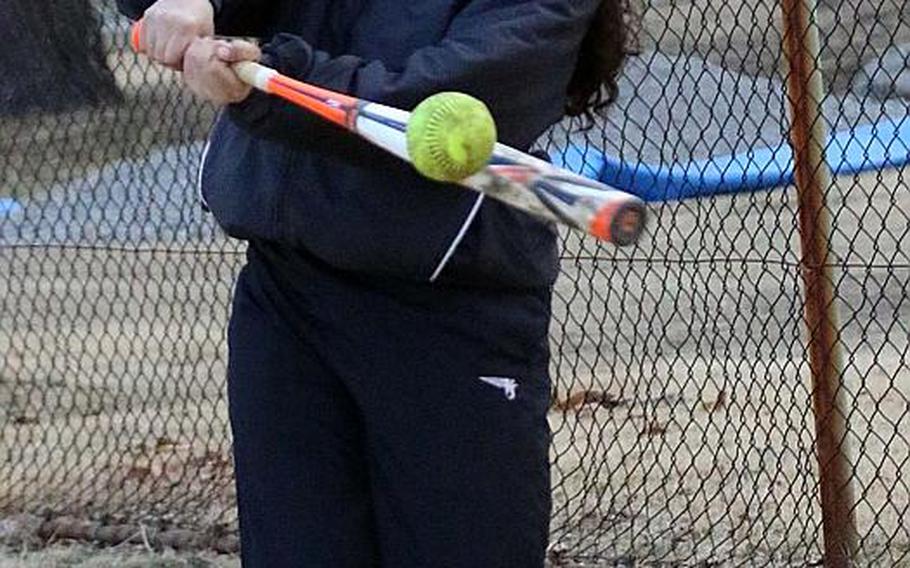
x=521 y=181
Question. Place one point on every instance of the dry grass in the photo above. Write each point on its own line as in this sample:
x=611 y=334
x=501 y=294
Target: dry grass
x=82 y=556
x=112 y=384
x=705 y=445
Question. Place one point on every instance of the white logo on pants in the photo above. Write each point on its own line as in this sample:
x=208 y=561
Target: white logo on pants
x=508 y=386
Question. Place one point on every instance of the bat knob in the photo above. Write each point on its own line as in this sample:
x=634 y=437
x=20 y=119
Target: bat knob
x=135 y=36
x=621 y=224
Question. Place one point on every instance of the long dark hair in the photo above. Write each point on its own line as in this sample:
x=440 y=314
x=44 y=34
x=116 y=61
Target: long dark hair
x=594 y=83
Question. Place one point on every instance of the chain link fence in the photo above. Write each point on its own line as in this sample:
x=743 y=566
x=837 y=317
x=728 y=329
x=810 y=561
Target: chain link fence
x=682 y=415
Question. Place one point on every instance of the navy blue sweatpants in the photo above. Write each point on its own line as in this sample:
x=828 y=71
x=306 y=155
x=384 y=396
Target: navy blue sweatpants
x=386 y=423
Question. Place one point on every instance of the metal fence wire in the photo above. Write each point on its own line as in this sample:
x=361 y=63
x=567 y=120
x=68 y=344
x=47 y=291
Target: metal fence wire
x=682 y=418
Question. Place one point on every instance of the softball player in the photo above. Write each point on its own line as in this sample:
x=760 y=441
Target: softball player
x=388 y=369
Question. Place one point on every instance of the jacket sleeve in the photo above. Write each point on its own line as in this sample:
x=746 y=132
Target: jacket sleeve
x=515 y=55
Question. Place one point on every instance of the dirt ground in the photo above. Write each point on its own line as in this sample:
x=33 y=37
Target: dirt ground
x=75 y=555
x=705 y=445
x=82 y=556
x=694 y=444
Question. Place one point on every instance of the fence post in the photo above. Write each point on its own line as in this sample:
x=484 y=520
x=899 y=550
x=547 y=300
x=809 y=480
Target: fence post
x=808 y=138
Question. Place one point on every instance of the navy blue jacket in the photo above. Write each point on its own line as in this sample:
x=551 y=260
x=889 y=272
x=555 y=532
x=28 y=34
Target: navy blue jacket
x=273 y=172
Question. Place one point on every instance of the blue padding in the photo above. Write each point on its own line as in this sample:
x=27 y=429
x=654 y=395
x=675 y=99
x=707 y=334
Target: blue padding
x=870 y=147
x=749 y=171
x=588 y=162
x=8 y=206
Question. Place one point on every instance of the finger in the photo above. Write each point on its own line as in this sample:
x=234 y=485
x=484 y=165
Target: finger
x=158 y=48
x=206 y=76
x=196 y=80
x=155 y=37
x=174 y=51
x=193 y=61
x=235 y=90
x=227 y=86
x=197 y=56
x=238 y=50
x=223 y=50
x=203 y=91
x=149 y=37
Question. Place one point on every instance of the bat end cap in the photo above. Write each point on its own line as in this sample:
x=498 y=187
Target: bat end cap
x=621 y=224
x=135 y=35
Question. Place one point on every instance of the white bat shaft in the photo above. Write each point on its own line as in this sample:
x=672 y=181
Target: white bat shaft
x=386 y=134
x=577 y=204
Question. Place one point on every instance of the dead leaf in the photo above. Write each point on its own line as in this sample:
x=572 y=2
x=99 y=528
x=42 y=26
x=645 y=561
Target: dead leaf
x=579 y=400
x=718 y=404
x=654 y=428
x=164 y=444
x=25 y=420
x=138 y=473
